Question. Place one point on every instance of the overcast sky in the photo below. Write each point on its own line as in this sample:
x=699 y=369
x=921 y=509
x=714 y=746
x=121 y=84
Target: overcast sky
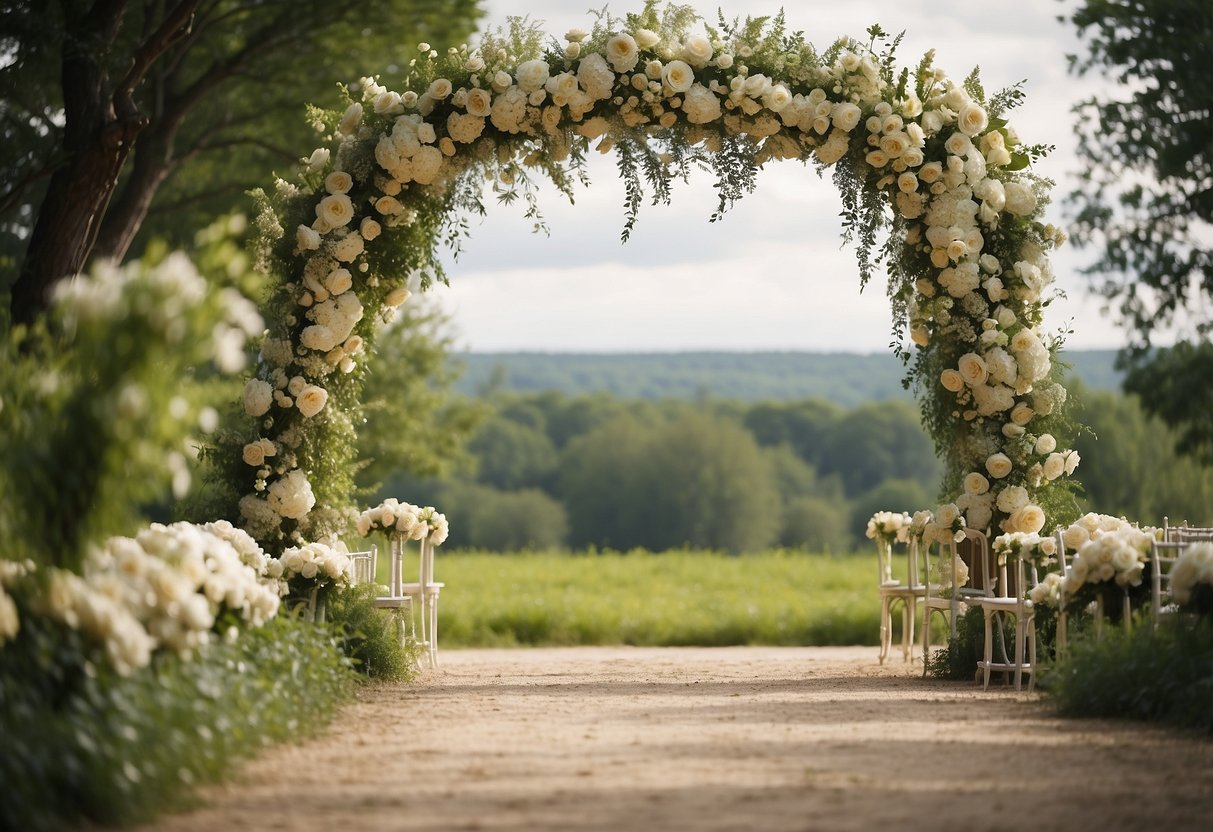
x=772 y=275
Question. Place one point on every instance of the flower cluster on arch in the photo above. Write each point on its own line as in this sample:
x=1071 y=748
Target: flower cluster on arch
x=929 y=158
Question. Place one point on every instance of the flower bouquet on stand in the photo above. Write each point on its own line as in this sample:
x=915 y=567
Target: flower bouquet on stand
x=312 y=571
x=1109 y=573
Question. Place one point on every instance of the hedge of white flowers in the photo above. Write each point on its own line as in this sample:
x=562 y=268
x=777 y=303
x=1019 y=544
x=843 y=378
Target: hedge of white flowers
x=931 y=158
x=172 y=587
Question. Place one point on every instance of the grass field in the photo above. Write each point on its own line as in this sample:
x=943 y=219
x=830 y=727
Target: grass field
x=642 y=598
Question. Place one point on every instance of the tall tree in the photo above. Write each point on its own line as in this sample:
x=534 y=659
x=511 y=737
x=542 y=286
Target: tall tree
x=1146 y=198
x=104 y=100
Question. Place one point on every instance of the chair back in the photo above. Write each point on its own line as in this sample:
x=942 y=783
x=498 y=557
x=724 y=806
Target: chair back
x=981 y=579
x=363 y=566
x=1163 y=555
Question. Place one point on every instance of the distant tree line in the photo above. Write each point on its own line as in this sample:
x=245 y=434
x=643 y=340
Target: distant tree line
x=549 y=470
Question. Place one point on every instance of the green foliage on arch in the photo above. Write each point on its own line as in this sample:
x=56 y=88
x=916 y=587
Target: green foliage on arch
x=936 y=188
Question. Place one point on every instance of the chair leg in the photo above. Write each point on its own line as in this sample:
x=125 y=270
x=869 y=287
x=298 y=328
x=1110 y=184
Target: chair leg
x=907 y=628
x=885 y=615
x=1020 y=634
x=1032 y=653
x=433 y=633
x=988 y=655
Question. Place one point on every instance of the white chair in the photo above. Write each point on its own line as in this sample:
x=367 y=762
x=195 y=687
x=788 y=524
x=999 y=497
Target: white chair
x=893 y=591
x=949 y=606
x=1020 y=607
x=398 y=605
x=1063 y=616
x=423 y=593
x=1163 y=555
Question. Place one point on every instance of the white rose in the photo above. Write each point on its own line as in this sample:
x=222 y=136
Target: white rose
x=439 y=89
x=397 y=297
x=291 y=496
x=1021 y=414
x=1054 y=466
x=697 y=51
x=311 y=400
x=258 y=396
x=1021 y=200
x=308 y=239
x=678 y=76
x=621 y=51
x=973 y=370
x=972 y=119
x=1072 y=460
x=845 y=115
x=388 y=102
x=975 y=483
x=479 y=103
x=254 y=454
x=1046 y=444
x=532 y=75
x=369 y=229
x=1012 y=498
x=350 y=120
x=947 y=515
x=951 y=380
x=335 y=209
x=646 y=38
x=998 y=465
x=1029 y=520
x=338 y=182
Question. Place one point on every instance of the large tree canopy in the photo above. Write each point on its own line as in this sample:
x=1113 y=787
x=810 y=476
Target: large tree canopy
x=107 y=101
x=1146 y=198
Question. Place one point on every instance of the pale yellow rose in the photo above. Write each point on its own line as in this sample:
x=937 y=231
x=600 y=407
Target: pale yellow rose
x=311 y=400
x=998 y=465
x=335 y=209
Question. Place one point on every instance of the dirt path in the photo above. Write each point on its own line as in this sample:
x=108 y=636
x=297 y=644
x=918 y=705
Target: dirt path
x=706 y=739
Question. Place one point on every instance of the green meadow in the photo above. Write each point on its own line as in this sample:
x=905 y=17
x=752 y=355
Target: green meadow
x=555 y=598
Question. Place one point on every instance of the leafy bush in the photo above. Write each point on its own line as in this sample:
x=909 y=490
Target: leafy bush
x=369 y=636
x=1160 y=676
x=81 y=742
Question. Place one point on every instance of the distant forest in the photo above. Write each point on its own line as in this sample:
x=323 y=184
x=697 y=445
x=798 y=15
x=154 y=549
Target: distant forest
x=845 y=379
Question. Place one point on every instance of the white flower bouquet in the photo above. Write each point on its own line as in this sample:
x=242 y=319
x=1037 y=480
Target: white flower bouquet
x=1192 y=579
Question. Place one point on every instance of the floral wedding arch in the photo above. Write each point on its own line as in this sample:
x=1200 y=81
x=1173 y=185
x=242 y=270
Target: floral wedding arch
x=929 y=161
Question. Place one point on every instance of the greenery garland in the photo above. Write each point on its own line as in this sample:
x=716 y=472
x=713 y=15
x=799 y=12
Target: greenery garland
x=925 y=164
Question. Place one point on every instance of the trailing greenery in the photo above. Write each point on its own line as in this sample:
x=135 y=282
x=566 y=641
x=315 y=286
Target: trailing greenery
x=1161 y=676
x=682 y=597
x=82 y=743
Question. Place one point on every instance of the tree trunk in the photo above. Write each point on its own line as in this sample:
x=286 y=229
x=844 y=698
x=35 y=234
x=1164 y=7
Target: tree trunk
x=96 y=141
x=152 y=164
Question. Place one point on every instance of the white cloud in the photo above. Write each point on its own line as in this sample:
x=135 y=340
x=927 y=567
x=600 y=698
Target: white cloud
x=771 y=275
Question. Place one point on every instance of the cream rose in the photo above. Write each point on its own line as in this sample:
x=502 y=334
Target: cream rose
x=972 y=119
x=697 y=51
x=845 y=115
x=479 y=103
x=338 y=182
x=1029 y=519
x=1046 y=444
x=258 y=396
x=998 y=465
x=439 y=89
x=1054 y=466
x=369 y=229
x=336 y=210
x=1021 y=200
x=678 y=76
x=532 y=75
x=975 y=483
x=622 y=52
x=646 y=38
x=311 y=400
x=396 y=297
x=973 y=370
x=1022 y=413
x=951 y=380
x=350 y=119
x=308 y=239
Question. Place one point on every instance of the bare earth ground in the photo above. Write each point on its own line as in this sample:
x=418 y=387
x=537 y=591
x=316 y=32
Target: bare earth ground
x=710 y=738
